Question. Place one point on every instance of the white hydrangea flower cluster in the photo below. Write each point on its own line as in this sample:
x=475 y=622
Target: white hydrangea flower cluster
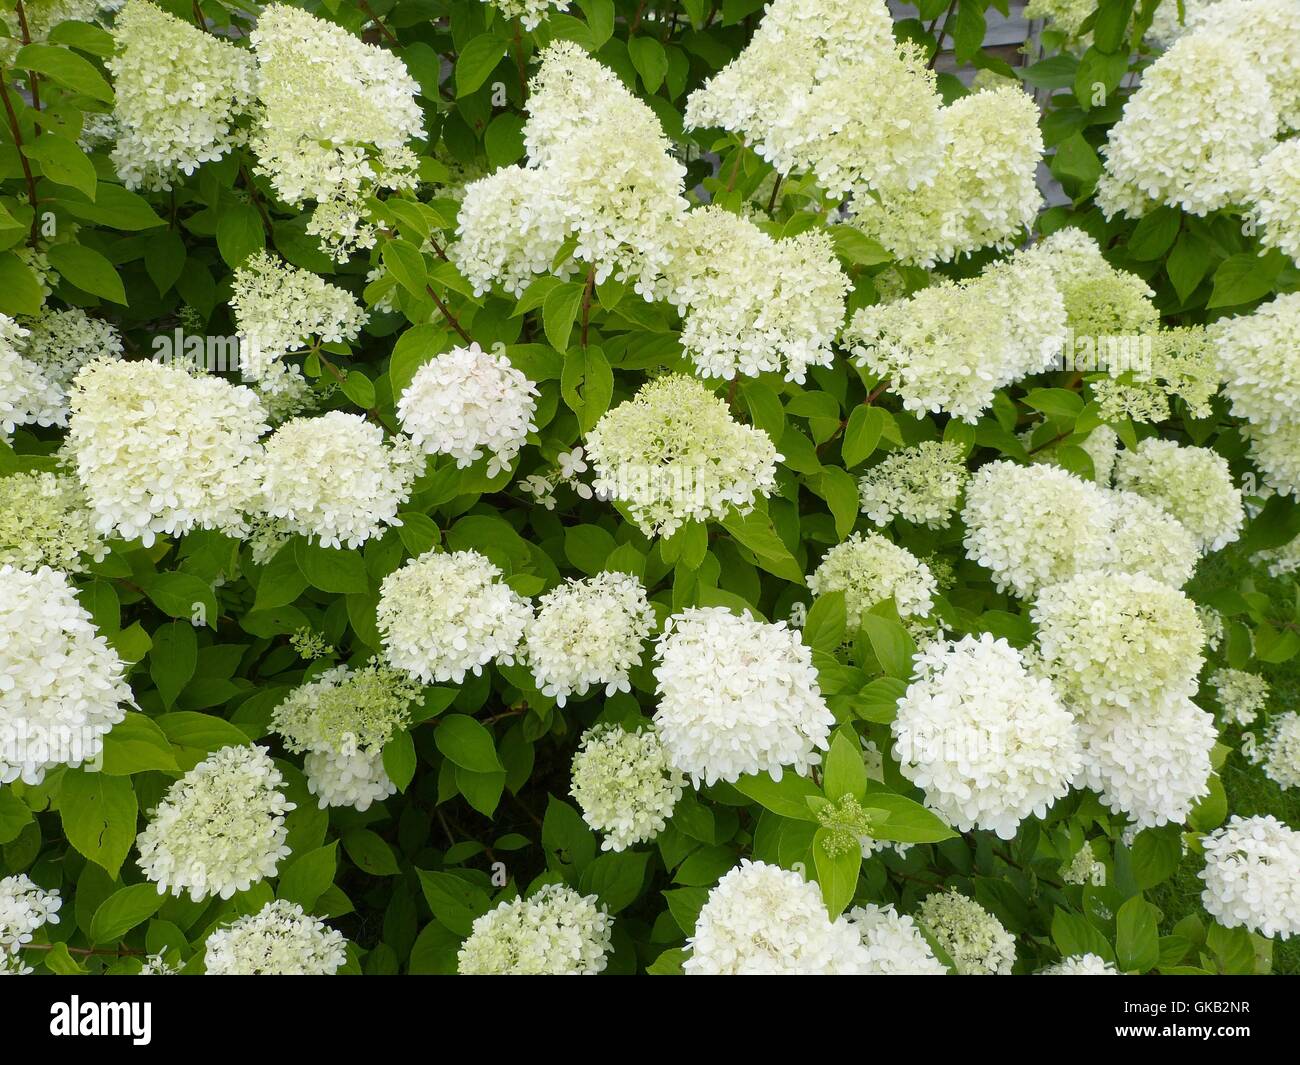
x=530 y=13
x=62 y=342
x=159 y=449
x=760 y=919
x=625 y=784
x=892 y=943
x=510 y=228
x=1193 y=484
x=1261 y=31
x=61 y=685
x=737 y=696
x=278 y=308
x=178 y=94
x=24 y=908
x=588 y=633
x=466 y=403
x=986 y=741
x=1259 y=360
x=44 y=522
x=1084 y=868
x=1116 y=639
x=823 y=87
x=752 y=304
x=1035 y=526
x=1276 y=453
x=279 y=940
x=601 y=174
x=920 y=484
x=1282 y=751
x=951 y=346
x=1182 y=140
x=1252 y=876
x=445 y=614
x=869 y=569
x=1102 y=446
x=1100 y=301
x=335 y=477
x=341 y=721
x=1080 y=965
x=674 y=454
x=1275 y=193
x=27 y=395
x=1150 y=761
x=158 y=965
x=220 y=828
x=1169 y=23
x=985 y=193
x=555 y=932
x=974 y=939
x=1147 y=539
x=334 y=118
x=1242 y=695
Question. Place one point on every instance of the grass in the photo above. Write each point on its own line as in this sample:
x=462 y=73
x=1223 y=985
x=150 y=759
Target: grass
x=1248 y=790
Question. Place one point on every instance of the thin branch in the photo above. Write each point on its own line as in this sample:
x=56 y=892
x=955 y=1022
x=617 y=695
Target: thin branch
x=33 y=82
x=938 y=41
x=586 y=303
x=384 y=30
x=776 y=190
x=451 y=318
x=16 y=131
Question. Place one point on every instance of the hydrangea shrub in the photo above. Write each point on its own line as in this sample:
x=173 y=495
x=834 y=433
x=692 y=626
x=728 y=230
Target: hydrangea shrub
x=671 y=487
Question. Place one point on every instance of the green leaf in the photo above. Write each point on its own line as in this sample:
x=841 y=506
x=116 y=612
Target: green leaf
x=136 y=745
x=837 y=874
x=476 y=61
x=239 y=233
x=891 y=644
x=587 y=385
x=67 y=68
x=123 y=910
x=755 y=531
x=404 y=261
x=63 y=162
x=559 y=312
x=20 y=292
x=14 y=816
x=787 y=796
x=1244 y=278
x=182 y=595
x=845 y=772
x=1137 y=939
x=1155 y=856
x=650 y=60
x=306 y=878
x=968 y=31
x=205 y=732
x=332 y=569
x=1074 y=934
x=908 y=821
x=455 y=902
x=399 y=760
x=98 y=814
x=173 y=658
x=370 y=853
x=1155 y=234
x=360 y=389
x=164 y=259
x=616 y=878
x=88 y=270
x=861 y=434
x=1076 y=161
x=823 y=629
x=467 y=743
x=855 y=247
